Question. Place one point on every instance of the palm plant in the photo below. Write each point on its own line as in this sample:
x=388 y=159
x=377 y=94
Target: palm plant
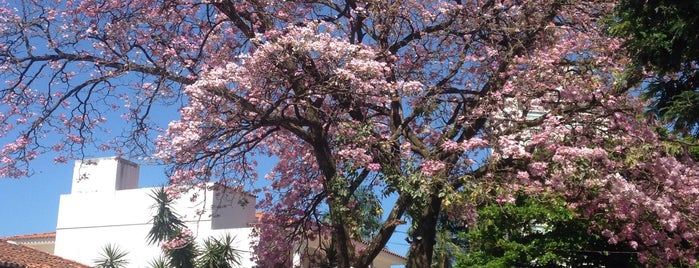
x=178 y=243
x=219 y=253
x=183 y=256
x=160 y=262
x=167 y=226
x=367 y=213
x=166 y=222
x=111 y=257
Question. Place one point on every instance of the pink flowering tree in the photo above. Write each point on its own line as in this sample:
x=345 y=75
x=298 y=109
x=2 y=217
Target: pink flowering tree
x=432 y=101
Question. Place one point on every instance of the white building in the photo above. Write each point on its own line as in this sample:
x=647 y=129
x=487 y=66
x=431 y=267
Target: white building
x=106 y=206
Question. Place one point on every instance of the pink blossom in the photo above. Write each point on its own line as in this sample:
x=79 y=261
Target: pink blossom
x=182 y=239
x=450 y=145
x=633 y=244
x=431 y=167
x=374 y=166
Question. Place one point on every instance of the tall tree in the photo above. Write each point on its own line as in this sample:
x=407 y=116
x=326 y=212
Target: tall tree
x=661 y=38
x=420 y=99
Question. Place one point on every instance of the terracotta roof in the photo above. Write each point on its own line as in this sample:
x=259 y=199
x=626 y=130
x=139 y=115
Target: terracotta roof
x=18 y=256
x=31 y=236
x=384 y=250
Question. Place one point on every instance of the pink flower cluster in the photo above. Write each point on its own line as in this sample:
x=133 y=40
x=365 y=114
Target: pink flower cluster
x=182 y=239
x=432 y=167
x=358 y=157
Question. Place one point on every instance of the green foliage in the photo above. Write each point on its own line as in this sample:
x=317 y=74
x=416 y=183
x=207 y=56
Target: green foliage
x=676 y=100
x=183 y=257
x=160 y=262
x=679 y=146
x=538 y=233
x=660 y=32
x=661 y=35
x=167 y=226
x=111 y=257
x=166 y=223
x=367 y=213
x=365 y=216
x=219 y=253
x=683 y=110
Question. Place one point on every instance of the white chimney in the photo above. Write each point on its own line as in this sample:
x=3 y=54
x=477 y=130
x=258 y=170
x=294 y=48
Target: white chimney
x=104 y=174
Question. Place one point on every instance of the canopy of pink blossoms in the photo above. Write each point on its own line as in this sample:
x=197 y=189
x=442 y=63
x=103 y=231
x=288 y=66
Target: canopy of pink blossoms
x=427 y=101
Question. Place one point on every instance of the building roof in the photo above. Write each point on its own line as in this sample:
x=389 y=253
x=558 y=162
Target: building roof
x=384 y=250
x=48 y=235
x=13 y=255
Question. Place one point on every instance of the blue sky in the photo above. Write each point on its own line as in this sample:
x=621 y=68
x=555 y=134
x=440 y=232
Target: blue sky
x=30 y=205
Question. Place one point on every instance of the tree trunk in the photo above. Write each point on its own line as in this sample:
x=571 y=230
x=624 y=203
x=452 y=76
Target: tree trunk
x=424 y=236
x=340 y=238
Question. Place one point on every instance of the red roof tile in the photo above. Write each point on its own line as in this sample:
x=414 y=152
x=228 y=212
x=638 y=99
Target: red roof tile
x=17 y=256
x=31 y=236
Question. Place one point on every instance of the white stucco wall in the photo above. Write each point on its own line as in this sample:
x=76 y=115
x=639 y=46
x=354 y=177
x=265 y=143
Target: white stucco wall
x=95 y=215
x=104 y=174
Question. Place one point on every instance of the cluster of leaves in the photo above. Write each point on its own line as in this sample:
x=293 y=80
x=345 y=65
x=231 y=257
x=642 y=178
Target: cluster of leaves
x=366 y=212
x=539 y=232
x=450 y=245
x=216 y=253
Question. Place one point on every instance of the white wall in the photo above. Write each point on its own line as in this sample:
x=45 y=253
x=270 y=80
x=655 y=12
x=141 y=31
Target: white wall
x=104 y=174
x=95 y=215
